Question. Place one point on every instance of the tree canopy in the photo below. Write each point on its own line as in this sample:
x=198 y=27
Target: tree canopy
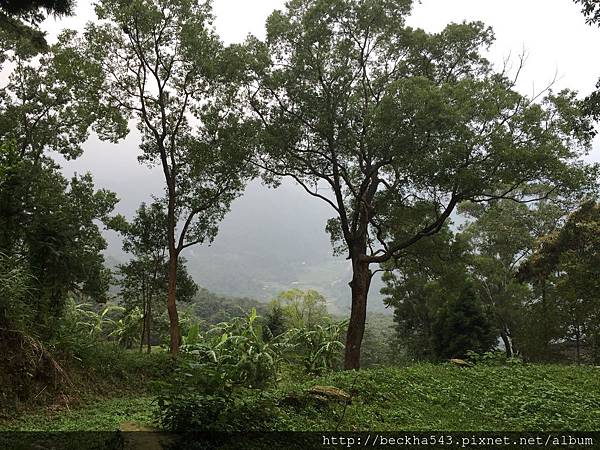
x=20 y=19
x=165 y=68
x=393 y=127
x=567 y=260
x=49 y=224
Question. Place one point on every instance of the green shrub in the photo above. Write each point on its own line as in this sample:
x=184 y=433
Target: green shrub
x=318 y=349
x=220 y=380
x=15 y=312
x=215 y=383
x=81 y=327
x=201 y=398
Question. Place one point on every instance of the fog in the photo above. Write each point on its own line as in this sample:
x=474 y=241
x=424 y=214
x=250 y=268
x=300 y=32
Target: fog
x=275 y=239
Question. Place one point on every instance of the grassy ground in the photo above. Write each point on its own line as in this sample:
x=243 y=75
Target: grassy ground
x=108 y=385
x=101 y=415
x=442 y=397
x=421 y=397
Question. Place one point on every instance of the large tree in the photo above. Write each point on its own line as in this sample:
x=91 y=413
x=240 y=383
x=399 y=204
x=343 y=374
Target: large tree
x=501 y=235
x=166 y=69
x=569 y=260
x=393 y=127
x=47 y=223
x=144 y=279
x=20 y=19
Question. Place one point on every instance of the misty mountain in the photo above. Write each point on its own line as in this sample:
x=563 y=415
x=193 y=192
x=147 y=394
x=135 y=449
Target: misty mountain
x=271 y=240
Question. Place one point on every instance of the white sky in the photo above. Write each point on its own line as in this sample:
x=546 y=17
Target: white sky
x=552 y=32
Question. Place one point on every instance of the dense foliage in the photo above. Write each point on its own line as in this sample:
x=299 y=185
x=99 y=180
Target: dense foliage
x=401 y=125
x=565 y=263
x=462 y=325
x=50 y=226
x=218 y=382
x=20 y=20
x=430 y=274
x=395 y=128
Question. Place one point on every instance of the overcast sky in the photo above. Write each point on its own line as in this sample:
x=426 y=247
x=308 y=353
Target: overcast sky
x=553 y=34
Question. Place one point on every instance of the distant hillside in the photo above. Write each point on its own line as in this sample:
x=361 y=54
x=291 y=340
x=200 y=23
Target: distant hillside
x=272 y=240
x=213 y=309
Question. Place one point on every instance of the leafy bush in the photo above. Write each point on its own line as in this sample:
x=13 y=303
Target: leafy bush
x=110 y=361
x=216 y=383
x=382 y=345
x=14 y=287
x=214 y=386
x=238 y=348
x=318 y=349
x=202 y=398
x=126 y=329
x=81 y=326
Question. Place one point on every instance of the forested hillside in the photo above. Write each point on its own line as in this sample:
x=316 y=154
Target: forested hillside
x=443 y=277
x=253 y=254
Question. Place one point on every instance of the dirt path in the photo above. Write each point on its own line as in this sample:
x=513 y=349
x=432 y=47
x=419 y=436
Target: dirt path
x=140 y=437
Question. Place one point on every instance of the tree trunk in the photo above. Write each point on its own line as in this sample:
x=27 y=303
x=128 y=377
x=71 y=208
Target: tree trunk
x=508 y=345
x=143 y=317
x=361 y=281
x=148 y=324
x=545 y=327
x=143 y=331
x=173 y=260
x=171 y=306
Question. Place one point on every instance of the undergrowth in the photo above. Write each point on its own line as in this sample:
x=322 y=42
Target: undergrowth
x=424 y=397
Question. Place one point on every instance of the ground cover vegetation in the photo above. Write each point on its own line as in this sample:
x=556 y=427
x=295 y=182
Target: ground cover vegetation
x=496 y=317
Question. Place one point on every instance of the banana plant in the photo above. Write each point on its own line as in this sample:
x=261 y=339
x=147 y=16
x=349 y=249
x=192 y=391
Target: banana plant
x=95 y=323
x=126 y=328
